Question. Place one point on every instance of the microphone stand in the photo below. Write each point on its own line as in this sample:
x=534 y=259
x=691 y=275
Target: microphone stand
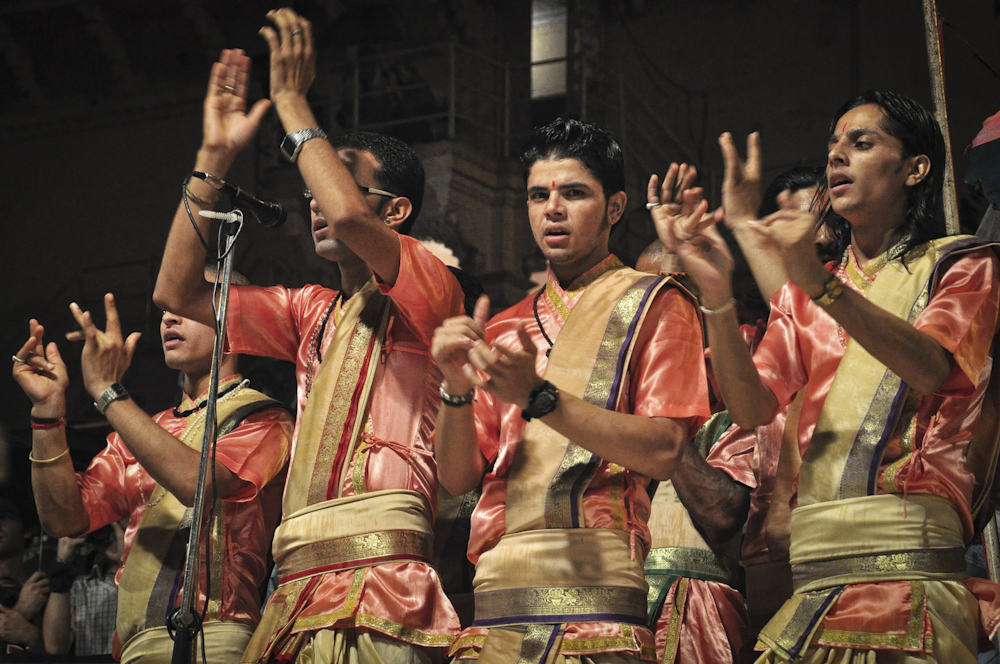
x=184 y=621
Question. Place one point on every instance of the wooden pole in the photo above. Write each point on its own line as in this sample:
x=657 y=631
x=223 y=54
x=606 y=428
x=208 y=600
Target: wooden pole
x=931 y=36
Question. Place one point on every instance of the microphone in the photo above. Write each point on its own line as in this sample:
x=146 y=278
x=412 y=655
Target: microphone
x=267 y=213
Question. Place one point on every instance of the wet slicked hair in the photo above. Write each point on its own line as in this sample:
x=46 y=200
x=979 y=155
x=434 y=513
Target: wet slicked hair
x=400 y=170
x=918 y=131
x=566 y=138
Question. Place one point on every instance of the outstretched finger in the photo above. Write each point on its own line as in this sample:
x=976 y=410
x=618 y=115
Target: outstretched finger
x=112 y=322
x=753 y=156
x=129 y=348
x=653 y=190
x=708 y=220
x=687 y=176
x=527 y=343
x=481 y=313
x=84 y=320
x=731 y=159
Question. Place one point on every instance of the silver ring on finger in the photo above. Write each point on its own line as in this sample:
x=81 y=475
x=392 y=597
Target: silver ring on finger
x=17 y=359
x=229 y=89
x=296 y=32
x=650 y=206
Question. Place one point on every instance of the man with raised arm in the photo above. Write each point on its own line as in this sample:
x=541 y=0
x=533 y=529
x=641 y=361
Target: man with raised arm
x=351 y=587
x=564 y=406
x=148 y=473
x=892 y=346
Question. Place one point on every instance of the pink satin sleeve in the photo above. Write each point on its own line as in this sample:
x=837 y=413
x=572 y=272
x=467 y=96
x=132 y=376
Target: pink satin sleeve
x=270 y=322
x=778 y=357
x=425 y=292
x=667 y=373
x=733 y=454
x=962 y=315
x=102 y=485
x=257 y=451
x=714 y=626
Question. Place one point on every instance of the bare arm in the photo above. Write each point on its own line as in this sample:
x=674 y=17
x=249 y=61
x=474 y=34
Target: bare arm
x=44 y=379
x=168 y=461
x=226 y=127
x=293 y=67
x=717 y=503
x=460 y=463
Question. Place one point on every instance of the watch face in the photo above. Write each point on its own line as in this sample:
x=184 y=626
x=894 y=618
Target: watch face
x=544 y=402
x=288 y=146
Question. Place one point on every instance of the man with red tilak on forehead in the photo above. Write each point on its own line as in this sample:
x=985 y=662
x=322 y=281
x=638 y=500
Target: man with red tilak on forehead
x=892 y=346
x=564 y=406
x=353 y=550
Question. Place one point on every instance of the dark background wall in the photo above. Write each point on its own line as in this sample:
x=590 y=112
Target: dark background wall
x=100 y=119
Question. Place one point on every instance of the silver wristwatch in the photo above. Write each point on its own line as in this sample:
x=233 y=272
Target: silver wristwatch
x=114 y=392
x=292 y=143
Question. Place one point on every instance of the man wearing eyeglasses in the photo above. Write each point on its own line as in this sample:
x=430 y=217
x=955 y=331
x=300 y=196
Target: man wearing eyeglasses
x=352 y=552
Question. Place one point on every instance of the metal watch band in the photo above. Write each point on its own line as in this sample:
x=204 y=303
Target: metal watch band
x=291 y=145
x=114 y=392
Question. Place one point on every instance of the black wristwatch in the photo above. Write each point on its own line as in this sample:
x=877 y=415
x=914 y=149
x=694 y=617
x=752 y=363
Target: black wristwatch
x=542 y=401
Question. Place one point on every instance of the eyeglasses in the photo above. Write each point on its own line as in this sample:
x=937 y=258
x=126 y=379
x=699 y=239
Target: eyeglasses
x=364 y=190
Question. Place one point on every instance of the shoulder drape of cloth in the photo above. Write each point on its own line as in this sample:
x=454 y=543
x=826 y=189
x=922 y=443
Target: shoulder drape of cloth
x=150 y=581
x=864 y=537
x=550 y=568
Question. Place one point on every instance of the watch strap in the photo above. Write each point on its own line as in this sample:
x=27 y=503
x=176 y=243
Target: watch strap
x=833 y=290
x=114 y=392
x=542 y=401
x=456 y=400
x=291 y=145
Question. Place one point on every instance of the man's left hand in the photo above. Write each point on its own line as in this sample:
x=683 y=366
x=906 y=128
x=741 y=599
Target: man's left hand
x=105 y=355
x=293 y=58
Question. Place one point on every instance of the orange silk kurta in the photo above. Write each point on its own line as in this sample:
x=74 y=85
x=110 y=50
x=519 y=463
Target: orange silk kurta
x=115 y=486
x=802 y=350
x=665 y=378
x=404 y=600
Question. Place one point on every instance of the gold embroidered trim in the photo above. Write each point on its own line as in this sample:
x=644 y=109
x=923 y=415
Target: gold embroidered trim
x=516 y=604
x=935 y=561
x=687 y=562
x=403 y=633
x=218 y=535
x=616 y=500
x=914 y=640
x=357 y=551
x=535 y=642
x=676 y=618
x=346 y=611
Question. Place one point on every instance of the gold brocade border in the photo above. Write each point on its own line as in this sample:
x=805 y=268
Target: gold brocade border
x=807 y=615
x=535 y=643
x=357 y=551
x=616 y=491
x=218 y=557
x=612 y=263
x=341 y=401
x=307 y=623
x=626 y=642
x=935 y=561
x=361 y=460
x=561 y=601
x=914 y=640
x=562 y=310
x=474 y=641
x=906 y=443
x=402 y=632
x=688 y=562
x=676 y=619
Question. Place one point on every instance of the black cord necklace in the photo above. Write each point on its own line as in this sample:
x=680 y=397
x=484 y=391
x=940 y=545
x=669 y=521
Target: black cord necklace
x=322 y=327
x=538 y=320
x=204 y=402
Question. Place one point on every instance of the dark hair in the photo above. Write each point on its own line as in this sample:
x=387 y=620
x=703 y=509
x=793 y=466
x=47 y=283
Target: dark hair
x=918 y=131
x=399 y=171
x=794 y=179
x=566 y=138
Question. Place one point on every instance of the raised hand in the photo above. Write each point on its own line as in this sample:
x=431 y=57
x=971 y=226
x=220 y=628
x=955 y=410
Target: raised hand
x=293 y=58
x=741 y=186
x=105 y=355
x=453 y=341
x=679 y=210
x=227 y=127
x=793 y=233
x=42 y=373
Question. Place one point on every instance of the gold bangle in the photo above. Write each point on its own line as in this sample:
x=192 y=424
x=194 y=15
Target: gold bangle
x=42 y=462
x=198 y=199
x=720 y=309
x=833 y=290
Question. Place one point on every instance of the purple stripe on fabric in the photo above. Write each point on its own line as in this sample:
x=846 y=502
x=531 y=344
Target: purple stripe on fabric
x=574 y=511
x=804 y=639
x=619 y=371
x=548 y=646
x=554 y=619
x=883 y=442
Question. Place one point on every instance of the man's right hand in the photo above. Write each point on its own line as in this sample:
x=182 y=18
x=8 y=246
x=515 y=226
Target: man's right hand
x=227 y=127
x=452 y=343
x=42 y=375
